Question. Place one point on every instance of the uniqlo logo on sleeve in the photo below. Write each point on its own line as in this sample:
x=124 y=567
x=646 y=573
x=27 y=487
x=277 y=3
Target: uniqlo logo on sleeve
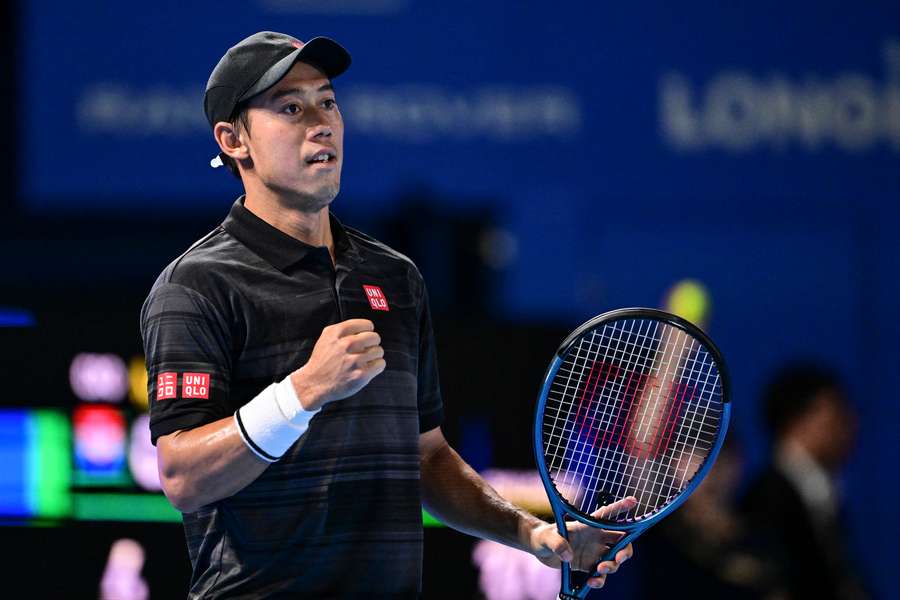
x=195 y=385
x=166 y=385
x=376 y=297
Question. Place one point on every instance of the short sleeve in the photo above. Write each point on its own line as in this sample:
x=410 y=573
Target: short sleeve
x=187 y=347
x=431 y=407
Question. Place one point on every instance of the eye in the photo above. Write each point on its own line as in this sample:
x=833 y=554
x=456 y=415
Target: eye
x=291 y=109
x=329 y=103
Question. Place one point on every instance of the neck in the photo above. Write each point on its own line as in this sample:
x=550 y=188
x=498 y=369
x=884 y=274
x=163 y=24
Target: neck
x=310 y=227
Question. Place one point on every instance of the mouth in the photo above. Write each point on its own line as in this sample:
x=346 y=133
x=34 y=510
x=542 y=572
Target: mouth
x=322 y=157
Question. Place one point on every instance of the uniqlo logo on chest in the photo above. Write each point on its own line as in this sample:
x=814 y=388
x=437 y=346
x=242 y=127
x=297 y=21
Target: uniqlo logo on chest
x=166 y=385
x=195 y=385
x=376 y=297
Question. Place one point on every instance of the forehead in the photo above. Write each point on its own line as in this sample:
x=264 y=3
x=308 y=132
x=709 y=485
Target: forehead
x=833 y=400
x=303 y=76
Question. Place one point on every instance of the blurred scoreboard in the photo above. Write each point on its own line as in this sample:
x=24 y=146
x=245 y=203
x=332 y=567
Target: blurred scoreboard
x=93 y=461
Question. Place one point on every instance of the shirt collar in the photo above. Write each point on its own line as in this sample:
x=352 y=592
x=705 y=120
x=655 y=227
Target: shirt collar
x=278 y=248
x=810 y=479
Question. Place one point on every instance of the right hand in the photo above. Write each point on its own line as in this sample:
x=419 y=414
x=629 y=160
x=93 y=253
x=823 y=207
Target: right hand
x=346 y=357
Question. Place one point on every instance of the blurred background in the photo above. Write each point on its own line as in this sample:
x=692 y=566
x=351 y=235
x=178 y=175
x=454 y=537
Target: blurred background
x=541 y=163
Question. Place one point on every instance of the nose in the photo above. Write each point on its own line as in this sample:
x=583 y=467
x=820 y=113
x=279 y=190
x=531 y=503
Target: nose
x=318 y=124
x=319 y=131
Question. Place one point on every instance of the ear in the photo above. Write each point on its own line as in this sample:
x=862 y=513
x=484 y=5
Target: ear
x=230 y=141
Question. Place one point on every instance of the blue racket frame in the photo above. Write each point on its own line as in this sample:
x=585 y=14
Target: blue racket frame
x=569 y=590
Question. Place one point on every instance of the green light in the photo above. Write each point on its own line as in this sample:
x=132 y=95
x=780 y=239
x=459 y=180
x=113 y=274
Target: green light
x=429 y=521
x=49 y=464
x=121 y=479
x=146 y=507
x=124 y=507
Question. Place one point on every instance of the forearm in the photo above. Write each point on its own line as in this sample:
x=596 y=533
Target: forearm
x=454 y=493
x=206 y=464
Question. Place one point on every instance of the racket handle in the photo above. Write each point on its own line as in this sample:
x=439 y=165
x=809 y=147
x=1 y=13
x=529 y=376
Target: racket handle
x=575 y=582
x=572 y=583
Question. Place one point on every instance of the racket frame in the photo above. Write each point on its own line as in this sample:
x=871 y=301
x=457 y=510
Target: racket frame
x=560 y=506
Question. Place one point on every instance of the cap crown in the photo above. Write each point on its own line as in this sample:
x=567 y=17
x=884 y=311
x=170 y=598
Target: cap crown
x=241 y=67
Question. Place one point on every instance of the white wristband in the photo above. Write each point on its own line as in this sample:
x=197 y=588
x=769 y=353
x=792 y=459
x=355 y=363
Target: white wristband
x=271 y=422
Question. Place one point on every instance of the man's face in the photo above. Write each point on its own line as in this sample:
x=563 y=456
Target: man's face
x=833 y=426
x=292 y=124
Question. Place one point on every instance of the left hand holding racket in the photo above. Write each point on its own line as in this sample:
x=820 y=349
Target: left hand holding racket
x=586 y=545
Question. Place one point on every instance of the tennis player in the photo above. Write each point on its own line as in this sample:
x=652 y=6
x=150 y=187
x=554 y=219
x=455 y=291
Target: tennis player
x=293 y=383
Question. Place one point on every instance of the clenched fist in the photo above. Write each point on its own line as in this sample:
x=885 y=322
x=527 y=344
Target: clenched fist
x=346 y=357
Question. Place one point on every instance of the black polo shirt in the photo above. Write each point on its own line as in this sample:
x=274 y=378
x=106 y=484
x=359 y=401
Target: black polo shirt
x=340 y=514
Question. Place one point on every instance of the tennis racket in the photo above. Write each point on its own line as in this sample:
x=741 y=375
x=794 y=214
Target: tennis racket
x=634 y=403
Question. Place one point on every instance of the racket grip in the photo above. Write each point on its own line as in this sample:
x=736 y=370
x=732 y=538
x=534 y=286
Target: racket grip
x=574 y=585
x=576 y=581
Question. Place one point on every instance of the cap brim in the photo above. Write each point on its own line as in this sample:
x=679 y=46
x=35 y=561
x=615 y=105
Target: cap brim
x=322 y=52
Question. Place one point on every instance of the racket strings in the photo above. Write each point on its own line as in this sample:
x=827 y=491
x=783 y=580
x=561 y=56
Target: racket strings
x=634 y=409
x=633 y=470
x=637 y=477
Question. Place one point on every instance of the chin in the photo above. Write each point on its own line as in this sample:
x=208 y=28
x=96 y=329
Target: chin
x=317 y=200
x=325 y=195
x=306 y=199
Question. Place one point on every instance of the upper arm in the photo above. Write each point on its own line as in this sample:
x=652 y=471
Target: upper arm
x=187 y=345
x=430 y=404
x=430 y=442
x=166 y=452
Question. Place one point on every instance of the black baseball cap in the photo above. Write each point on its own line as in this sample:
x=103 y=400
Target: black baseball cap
x=258 y=62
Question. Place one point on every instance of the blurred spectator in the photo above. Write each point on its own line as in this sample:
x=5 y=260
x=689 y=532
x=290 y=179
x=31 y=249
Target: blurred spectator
x=705 y=545
x=122 y=576
x=506 y=573
x=794 y=502
x=509 y=574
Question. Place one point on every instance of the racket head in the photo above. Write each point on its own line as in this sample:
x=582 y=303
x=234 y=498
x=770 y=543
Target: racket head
x=635 y=402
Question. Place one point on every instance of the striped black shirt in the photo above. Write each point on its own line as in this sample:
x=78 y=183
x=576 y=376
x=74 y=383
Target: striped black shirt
x=339 y=514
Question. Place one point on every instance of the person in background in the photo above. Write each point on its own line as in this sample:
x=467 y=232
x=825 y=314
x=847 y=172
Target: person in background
x=122 y=578
x=708 y=544
x=795 y=502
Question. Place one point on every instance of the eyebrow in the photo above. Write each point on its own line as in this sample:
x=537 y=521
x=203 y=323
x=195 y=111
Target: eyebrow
x=281 y=94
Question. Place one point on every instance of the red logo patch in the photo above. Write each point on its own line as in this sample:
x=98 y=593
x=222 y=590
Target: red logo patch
x=376 y=297
x=297 y=44
x=195 y=385
x=166 y=385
